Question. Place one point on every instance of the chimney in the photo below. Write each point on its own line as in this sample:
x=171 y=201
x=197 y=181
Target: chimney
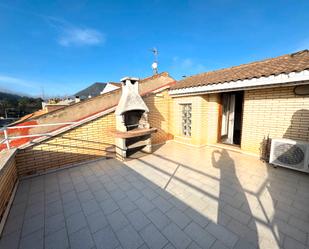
x=133 y=131
x=77 y=99
x=130 y=98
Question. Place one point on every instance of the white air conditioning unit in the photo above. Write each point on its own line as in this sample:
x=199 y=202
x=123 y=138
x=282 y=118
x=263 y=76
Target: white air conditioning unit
x=290 y=154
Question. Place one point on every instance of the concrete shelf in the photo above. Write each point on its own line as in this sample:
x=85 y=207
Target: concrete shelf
x=134 y=133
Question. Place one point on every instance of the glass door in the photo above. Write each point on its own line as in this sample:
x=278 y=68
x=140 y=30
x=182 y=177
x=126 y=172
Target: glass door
x=228 y=116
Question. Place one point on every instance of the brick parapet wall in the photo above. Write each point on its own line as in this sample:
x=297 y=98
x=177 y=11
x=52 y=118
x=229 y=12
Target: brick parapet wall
x=8 y=178
x=89 y=141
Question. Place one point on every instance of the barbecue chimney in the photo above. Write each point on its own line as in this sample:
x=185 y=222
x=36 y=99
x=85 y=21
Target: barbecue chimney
x=133 y=132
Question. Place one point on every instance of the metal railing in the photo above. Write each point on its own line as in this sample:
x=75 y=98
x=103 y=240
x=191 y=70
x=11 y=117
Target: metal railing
x=8 y=138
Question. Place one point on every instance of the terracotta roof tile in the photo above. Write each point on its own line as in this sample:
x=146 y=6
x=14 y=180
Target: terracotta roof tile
x=28 y=116
x=295 y=62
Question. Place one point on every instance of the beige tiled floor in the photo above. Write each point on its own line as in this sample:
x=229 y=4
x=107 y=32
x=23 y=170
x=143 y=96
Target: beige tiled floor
x=177 y=197
x=265 y=206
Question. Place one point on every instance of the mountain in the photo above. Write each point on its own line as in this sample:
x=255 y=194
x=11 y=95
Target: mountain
x=14 y=105
x=93 y=90
x=9 y=96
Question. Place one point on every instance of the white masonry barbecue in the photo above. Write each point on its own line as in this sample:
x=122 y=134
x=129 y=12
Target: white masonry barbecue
x=133 y=132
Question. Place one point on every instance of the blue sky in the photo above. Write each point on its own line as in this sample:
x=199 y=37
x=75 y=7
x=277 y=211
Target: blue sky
x=64 y=46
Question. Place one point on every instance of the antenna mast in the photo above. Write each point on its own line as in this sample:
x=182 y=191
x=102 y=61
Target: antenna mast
x=155 y=63
x=43 y=93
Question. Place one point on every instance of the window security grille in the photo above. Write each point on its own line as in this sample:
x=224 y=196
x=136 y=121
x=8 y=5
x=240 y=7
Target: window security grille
x=186 y=119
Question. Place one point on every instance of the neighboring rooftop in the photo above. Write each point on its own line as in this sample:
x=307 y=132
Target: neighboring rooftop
x=94 y=90
x=295 y=62
x=115 y=84
x=84 y=110
x=30 y=116
x=111 y=86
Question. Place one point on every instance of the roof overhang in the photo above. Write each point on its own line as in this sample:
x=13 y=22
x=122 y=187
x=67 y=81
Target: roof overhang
x=294 y=78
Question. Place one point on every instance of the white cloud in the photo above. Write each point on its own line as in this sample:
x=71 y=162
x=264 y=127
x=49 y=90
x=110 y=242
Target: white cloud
x=19 y=86
x=79 y=37
x=8 y=80
x=71 y=35
x=68 y=34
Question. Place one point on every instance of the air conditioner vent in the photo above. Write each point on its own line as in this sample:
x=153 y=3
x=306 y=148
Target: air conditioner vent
x=290 y=153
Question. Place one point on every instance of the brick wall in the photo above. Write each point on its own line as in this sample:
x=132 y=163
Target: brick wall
x=8 y=178
x=89 y=141
x=213 y=118
x=159 y=108
x=276 y=112
x=199 y=119
x=158 y=105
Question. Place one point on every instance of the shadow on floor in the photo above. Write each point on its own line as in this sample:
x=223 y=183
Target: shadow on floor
x=151 y=202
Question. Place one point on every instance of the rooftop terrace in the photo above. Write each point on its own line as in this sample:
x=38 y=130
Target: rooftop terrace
x=177 y=197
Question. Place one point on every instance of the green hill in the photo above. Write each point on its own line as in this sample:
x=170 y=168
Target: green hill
x=13 y=105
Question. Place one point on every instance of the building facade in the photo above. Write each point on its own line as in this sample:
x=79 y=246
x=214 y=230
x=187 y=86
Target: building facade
x=242 y=107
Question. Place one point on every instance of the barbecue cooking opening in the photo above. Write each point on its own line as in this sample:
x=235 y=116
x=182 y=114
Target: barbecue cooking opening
x=134 y=119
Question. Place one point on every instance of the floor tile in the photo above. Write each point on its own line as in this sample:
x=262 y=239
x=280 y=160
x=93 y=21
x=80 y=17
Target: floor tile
x=10 y=241
x=96 y=221
x=13 y=224
x=178 y=217
x=138 y=219
x=129 y=238
x=34 y=240
x=144 y=204
x=75 y=222
x=85 y=196
x=57 y=240
x=33 y=224
x=222 y=234
x=90 y=207
x=197 y=217
x=117 y=220
x=81 y=239
x=72 y=208
x=199 y=235
x=54 y=223
x=153 y=238
x=109 y=206
x=159 y=219
x=105 y=239
x=101 y=195
x=53 y=208
x=162 y=204
x=177 y=237
x=126 y=205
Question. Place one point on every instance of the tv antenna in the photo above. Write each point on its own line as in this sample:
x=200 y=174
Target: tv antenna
x=154 y=65
x=43 y=93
